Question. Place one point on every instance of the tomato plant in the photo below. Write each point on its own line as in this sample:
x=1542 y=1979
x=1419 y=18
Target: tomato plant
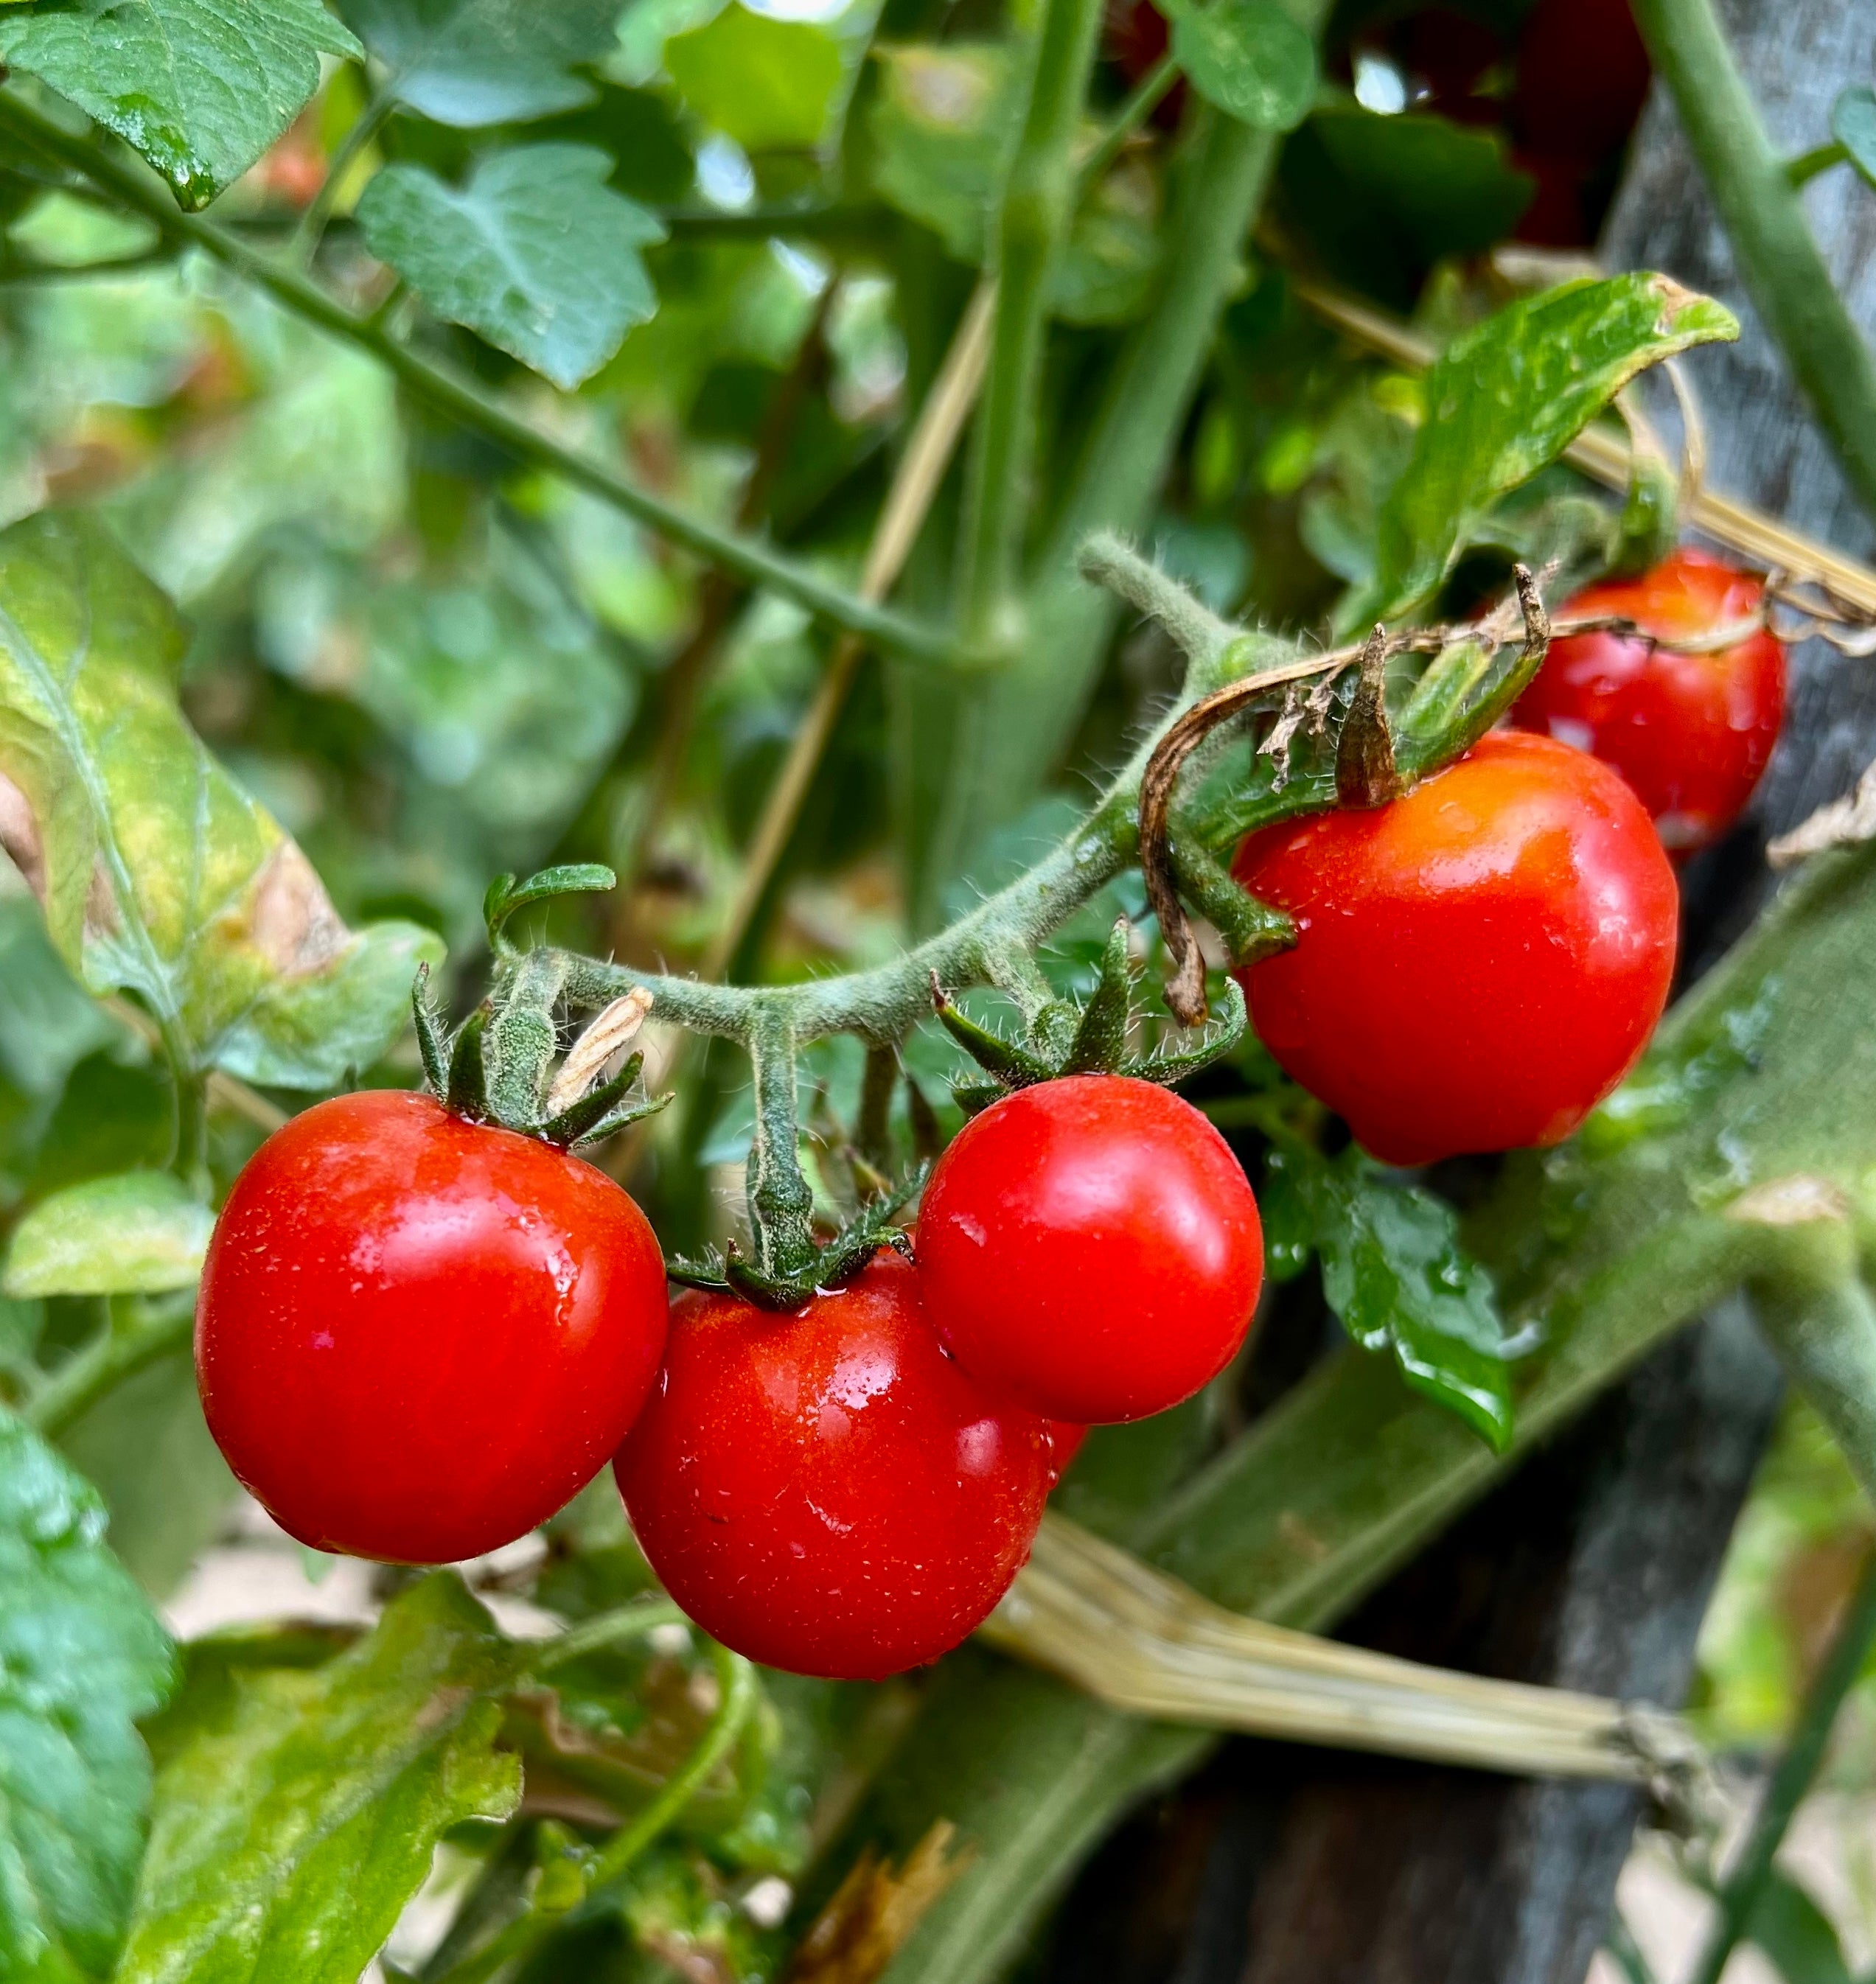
x=1090 y=1247
x=825 y=1491
x=702 y=459
x=418 y=1336
x=1477 y=964
x=1690 y=730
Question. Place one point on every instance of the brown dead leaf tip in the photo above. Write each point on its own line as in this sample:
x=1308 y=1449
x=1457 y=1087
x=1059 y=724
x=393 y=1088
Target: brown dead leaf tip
x=875 y=1910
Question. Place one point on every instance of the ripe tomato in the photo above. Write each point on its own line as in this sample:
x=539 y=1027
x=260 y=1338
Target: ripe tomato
x=1583 y=78
x=1135 y=35
x=418 y=1337
x=1478 y=964
x=827 y=1492
x=1090 y=1248
x=1691 y=733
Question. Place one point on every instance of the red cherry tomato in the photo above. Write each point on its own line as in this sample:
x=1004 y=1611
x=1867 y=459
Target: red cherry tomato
x=1691 y=733
x=827 y=1492
x=1136 y=35
x=1090 y=1248
x=418 y=1337
x=1478 y=964
x=1583 y=78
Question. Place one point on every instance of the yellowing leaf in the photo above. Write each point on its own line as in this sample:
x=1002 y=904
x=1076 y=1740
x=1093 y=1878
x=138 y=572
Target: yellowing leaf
x=158 y=874
x=139 y=1232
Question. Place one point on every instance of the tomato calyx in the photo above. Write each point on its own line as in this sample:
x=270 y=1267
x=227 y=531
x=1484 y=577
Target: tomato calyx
x=497 y=1067
x=1091 y=1039
x=726 y=1271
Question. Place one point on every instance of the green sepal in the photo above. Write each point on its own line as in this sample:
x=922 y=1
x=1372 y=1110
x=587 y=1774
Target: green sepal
x=466 y=1093
x=1218 y=1040
x=518 y=1048
x=1251 y=928
x=432 y=1044
x=843 y=1259
x=1013 y=1066
x=575 y=1123
x=505 y=895
x=1100 y=1039
x=974 y=1097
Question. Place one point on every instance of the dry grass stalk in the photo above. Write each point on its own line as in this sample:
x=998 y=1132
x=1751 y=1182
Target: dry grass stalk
x=1143 y=1642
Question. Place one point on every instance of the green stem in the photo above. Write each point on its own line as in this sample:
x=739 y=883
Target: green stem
x=781 y=1204
x=1142 y=101
x=366 y=126
x=625 y=1622
x=110 y=1357
x=190 y=1159
x=457 y=400
x=1806 y=165
x=737 y=1679
x=1031 y=223
x=1744 y=1885
x=1778 y=260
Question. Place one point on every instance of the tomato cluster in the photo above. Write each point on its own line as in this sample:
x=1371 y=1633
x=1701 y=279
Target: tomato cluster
x=419 y=1335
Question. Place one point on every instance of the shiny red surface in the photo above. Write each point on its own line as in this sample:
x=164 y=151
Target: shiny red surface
x=417 y=1337
x=1090 y=1248
x=1477 y=964
x=827 y=1492
x=1691 y=733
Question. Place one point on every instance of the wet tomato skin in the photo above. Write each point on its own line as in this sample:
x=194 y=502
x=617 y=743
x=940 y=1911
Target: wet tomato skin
x=417 y=1337
x=1477 y=963
x=826 y=1491
x=1090 y=1248
x=1691 y=733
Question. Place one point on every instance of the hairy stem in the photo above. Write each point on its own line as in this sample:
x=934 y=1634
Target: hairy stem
x=1030 y=225
x=781 y=1206
x=457 y=400
x=1781 y=262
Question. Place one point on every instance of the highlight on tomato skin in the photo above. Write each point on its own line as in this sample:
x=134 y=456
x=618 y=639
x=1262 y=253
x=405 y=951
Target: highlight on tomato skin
x=826 y=1491
x=416 y=1337
x=1691 y=733
x=1478 y=963
x=1090 y=1247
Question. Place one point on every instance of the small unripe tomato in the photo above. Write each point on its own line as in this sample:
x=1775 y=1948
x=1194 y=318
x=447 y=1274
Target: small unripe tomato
x=1090 y=1248
x=1691 y=733
x=1477 y=964
x=827 y=1492
x=416 y=1337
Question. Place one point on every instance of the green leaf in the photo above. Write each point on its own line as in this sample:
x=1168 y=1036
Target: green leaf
x=291 y=1830
x=138 y=1233
x=201 y=88
x=470 y=63
x=158 y=875
x=536 y=253
x=1393 y=1271
x=82 y=1657
x=1250 y=58
x=1797 y=1935
x=1853 y=125
x=1506 y=399
x=768 y=84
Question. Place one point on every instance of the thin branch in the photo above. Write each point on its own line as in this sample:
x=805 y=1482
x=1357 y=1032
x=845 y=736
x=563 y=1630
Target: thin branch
x=459 y=401
x=104 y=1362
x=1142 y=101
x=1028 y=226
x=1740 y=1894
